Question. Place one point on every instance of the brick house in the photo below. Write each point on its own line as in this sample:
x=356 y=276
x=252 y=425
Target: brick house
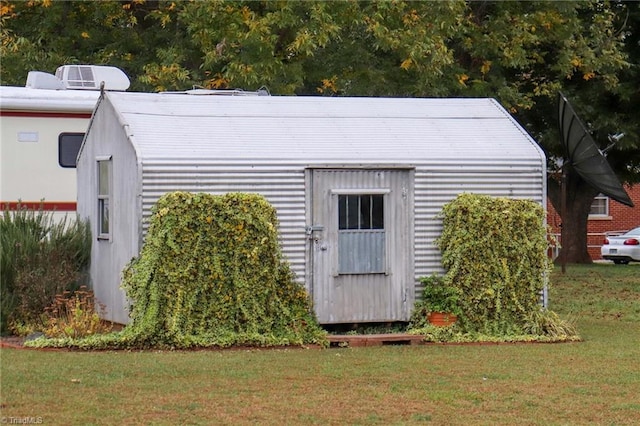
x=607 y=216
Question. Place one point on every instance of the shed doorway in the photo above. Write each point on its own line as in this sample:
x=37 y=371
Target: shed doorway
x=361 y=244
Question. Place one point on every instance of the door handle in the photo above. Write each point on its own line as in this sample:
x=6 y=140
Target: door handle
x=311 y=232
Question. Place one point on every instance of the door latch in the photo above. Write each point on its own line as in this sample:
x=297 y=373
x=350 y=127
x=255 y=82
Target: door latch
x=313 y=228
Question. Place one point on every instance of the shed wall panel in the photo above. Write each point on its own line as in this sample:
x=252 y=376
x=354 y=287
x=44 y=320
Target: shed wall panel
x=283 y=186
x=110 y=256
x=284 y=189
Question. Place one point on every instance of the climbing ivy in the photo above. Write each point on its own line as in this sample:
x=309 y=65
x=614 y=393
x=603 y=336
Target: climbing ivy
x=210 y=274
x=211 y=270
x=495 y=252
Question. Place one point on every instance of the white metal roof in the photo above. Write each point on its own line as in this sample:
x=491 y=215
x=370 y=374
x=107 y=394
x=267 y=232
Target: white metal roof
x=179 y=127
x=30 y=99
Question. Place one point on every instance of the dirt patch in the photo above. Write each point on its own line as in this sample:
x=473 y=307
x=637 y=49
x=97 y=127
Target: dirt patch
x=14 y=342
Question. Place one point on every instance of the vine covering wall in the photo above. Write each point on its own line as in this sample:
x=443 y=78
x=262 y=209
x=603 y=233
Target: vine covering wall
x=495 y=252
x=211 y=273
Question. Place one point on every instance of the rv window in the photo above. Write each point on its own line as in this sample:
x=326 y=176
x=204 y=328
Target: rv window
x=68 y=148
x=104 y=189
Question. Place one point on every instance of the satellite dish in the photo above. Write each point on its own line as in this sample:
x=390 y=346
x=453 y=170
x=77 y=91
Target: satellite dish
x=583 y=154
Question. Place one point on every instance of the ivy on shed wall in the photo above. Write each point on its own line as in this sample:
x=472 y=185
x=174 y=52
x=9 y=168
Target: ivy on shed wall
x=495 y=252
x=211 y=272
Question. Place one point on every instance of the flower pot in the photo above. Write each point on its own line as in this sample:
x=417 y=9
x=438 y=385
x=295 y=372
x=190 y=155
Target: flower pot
x=441 y=319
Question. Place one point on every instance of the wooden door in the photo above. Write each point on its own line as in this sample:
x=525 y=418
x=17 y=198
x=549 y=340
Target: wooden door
x=362 y=245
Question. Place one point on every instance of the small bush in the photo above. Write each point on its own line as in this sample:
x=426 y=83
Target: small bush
x=211 y=272
x=73 y=314
x=439 y=297
x=544 y=322
x=495 y=253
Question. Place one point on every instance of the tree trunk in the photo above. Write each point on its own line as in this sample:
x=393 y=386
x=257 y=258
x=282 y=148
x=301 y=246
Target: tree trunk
x=580 y=196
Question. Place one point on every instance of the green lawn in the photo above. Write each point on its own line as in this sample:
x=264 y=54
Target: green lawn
x=596 y=381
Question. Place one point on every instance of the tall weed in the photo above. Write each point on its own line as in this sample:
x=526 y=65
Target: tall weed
x=75 y=314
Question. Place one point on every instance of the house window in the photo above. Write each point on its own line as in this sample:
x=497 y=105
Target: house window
x=104 y=193
x=600 y=206
x=68 y=148
x=361 y=234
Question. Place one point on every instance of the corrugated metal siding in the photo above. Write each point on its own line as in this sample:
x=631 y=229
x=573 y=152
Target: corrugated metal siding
x=437 y=184
x=263 y=144
x=284 y=188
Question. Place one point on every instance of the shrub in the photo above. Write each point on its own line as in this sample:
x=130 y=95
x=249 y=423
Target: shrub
x=39 y=258
x=544 y=322
x=211 y=272
x=73 y=314
x=439 y=297
x=495 y=253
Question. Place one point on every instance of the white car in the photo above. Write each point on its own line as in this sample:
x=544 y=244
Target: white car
x=622 y=249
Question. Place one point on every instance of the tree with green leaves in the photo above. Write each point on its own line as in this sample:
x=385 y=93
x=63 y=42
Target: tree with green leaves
x=525 y=53
x=521 y=53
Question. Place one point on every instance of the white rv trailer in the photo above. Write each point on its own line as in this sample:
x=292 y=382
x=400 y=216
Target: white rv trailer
x=42 y=127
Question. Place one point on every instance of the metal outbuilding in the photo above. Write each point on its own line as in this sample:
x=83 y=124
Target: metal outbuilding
x=357 y=183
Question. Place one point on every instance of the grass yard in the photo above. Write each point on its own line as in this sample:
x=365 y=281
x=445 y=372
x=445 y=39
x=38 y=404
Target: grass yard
x=596 y=381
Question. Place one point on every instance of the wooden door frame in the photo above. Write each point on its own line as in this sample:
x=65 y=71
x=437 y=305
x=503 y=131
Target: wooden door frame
x=407 y=276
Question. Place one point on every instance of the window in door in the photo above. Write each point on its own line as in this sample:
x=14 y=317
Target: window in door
x=361 y=234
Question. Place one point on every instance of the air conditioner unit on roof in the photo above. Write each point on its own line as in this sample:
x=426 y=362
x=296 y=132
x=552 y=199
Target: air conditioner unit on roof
x=90 y=77
x=43 y=80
